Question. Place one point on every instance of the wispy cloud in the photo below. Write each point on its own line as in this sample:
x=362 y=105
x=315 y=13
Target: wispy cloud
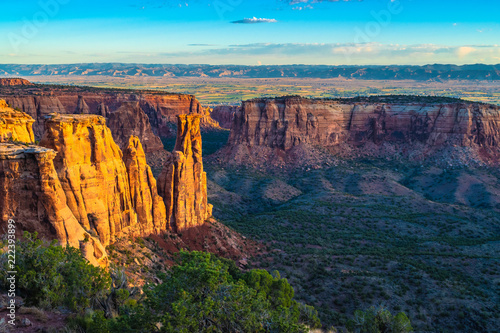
x=351 y=53
x=254 y=20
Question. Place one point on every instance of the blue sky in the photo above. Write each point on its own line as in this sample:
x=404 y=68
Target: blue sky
x=251 y=31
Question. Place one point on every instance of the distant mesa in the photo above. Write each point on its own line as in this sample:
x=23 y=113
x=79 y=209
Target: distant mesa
x=386 y=126
x=435 y=72
x=14 y=82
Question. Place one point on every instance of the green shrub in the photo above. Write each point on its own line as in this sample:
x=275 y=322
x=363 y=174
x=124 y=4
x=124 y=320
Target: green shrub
x=50 y=275
x=204 y=293
x=379 y=321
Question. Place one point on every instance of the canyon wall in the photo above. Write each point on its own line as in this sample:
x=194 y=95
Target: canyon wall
x=129 y=120
x=287 y=122
x=15 y=125
x=224 y=114
x=32 y=195
x=161 y=109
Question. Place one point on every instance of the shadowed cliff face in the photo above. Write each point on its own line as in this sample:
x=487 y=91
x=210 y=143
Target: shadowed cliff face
x=161 y=110
x=287 y=122
x=224 y=114
x=129 y=120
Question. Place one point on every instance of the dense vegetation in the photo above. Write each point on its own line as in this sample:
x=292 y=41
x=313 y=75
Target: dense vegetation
x=201 y=293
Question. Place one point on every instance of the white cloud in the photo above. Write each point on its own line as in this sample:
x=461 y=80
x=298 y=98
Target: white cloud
x=255 y=20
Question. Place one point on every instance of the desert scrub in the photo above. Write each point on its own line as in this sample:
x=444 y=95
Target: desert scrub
x=50 y=275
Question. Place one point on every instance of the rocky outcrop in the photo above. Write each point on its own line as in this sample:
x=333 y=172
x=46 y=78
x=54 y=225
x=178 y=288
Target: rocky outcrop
x=183 y=183
x=161 y=109
x=129 y=120
x=224 y=114
x=31 y=194
x=79 y=188
x=37 y=107
x=149 y=206
x=92 y=173
x=15 y=125
x=287 y=122
x=15 y=82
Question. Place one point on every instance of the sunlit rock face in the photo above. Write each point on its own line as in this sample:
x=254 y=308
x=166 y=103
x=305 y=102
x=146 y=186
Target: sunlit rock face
x=15 y=125
x=14 y=82
x=78 y=186
x=183 y=183
x=92 y=173
x=31 y=195
x=290 y=121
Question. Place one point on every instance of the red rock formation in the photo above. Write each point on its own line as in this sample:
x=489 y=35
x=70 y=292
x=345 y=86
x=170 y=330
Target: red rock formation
x=224 y=114
x=183 y=184
x=92 y=174
x=15 y=125
x=149 y=206
x=37 y=107
x=129 y=120
x=31 y=195
x=287 y=122
x=161 y=110
x=15 y=82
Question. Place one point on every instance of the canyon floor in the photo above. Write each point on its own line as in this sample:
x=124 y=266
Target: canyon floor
x=414 y=238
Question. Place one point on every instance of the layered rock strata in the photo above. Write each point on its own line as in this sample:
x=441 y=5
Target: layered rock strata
x=183 y=183
x=15 y=82
x=129 y=120
x=79 y=188
x=288 y=122
x=224 y=114
x=162 y=110
x=149 y=206
x=31 y=195
x=92 y=173
x=15 y=125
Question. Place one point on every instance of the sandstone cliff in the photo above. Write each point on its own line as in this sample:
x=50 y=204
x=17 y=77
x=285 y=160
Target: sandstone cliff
x=183 y=184
x=79 y=188
x=31 y=194
x=149 y=206
x=161 y=109
x=15 y=125
x=92 y=174
x=129 y=120
x=224 y=114
x=286 y=122
x=15 y=82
